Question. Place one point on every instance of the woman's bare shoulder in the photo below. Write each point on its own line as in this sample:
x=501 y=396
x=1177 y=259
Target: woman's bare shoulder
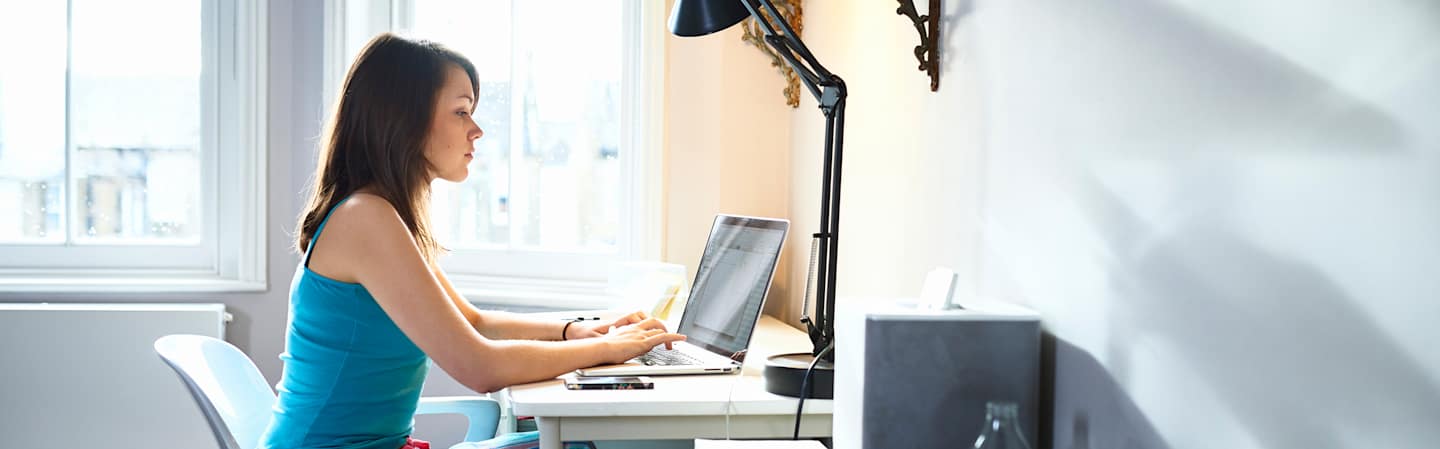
x=357 y=228
x=363 y=208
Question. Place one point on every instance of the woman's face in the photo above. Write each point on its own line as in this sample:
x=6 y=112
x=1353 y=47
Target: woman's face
x=450 y=145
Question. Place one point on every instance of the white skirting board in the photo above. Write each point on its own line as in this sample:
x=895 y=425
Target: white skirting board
x=86 y=376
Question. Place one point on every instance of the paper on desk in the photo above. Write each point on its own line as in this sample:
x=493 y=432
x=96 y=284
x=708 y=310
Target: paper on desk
x=650 y=286
x=758 y=444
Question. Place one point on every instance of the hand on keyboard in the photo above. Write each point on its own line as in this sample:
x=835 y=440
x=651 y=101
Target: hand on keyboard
x=633 y=340
x=591 y=329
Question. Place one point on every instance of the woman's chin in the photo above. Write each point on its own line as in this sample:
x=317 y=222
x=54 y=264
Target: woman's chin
x=458 y=176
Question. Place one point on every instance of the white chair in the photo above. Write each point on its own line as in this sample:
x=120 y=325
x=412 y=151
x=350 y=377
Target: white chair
x=236 y=400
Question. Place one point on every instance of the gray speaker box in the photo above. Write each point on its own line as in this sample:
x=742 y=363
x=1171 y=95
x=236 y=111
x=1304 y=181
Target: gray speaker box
x=915 y=378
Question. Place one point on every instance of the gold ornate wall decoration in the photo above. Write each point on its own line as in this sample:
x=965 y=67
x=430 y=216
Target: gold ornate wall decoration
x=754 y=35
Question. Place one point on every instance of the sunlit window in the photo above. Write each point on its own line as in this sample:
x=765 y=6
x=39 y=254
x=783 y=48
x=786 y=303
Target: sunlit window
x=547 y=173
x=132 y=150
x=100 y=124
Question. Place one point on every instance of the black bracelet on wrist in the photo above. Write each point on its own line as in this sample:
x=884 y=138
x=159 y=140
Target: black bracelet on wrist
x=564 y=334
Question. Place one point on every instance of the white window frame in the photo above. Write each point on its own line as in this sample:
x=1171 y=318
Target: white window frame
x=551 y=279
x=231 y=253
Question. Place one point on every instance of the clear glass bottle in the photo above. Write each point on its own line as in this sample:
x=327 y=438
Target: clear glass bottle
x=1002 y=428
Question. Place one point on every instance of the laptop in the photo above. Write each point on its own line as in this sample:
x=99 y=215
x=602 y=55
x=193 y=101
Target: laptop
x=725 y=302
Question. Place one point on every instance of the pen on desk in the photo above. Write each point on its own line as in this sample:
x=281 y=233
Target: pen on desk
x=581 y=318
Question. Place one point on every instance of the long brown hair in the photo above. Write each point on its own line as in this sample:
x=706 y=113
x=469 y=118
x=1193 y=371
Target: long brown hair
x=376 y=135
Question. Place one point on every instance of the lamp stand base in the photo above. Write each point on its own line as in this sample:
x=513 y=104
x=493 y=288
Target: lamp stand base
x=784 y=374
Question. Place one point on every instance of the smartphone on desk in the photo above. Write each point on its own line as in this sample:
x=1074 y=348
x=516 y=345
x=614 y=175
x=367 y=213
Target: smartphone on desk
x=609 y=383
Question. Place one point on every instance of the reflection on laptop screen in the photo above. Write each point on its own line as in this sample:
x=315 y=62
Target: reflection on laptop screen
x=731 y=282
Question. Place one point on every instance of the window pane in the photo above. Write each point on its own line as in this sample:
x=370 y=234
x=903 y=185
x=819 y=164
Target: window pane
x=135 y=120
x=32 y=121
x=547 y=175
x=476 y=214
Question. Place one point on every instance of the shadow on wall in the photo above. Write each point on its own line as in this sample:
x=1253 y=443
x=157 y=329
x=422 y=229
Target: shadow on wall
x=952 y=14
x=1084 y=407
x=1149 y=79
x=1292 y=357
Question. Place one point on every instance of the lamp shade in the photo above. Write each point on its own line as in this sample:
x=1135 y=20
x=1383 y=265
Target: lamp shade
x=700 y=17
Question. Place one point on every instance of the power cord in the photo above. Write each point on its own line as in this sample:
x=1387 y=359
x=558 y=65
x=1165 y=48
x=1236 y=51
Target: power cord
x=805 y=386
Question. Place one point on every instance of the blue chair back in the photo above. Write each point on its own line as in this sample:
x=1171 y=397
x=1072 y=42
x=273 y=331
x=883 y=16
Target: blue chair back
x=230 y=391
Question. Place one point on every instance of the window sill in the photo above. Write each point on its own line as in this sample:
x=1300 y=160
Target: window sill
x=121 y=283
x=536 y=294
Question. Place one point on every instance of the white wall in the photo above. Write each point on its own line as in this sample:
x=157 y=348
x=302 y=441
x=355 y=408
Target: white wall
x=1225 y=211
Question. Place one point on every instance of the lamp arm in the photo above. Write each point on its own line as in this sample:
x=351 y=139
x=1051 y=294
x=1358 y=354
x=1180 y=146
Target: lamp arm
x=808 y=78
x=829 y=91
x=830 y=218
x=785 y=42
x=792 y=38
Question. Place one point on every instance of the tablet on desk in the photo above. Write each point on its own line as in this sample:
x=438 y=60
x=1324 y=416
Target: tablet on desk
x=609 y=383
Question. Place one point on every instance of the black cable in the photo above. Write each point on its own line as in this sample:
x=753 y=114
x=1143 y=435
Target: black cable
x=805 y=386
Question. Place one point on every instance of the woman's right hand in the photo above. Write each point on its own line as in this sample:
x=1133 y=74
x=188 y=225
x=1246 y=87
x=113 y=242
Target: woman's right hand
x=628 y=342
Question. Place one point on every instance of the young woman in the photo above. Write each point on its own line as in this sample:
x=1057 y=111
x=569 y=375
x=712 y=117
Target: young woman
x=368 y=304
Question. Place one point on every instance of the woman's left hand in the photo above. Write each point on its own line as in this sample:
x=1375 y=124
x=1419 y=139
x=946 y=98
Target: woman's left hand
x=599 y=328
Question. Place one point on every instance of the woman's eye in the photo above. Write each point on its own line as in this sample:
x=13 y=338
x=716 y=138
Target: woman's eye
x=462 y=113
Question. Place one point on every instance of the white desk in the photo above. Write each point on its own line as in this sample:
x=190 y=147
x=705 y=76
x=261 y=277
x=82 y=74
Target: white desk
x=680 y=407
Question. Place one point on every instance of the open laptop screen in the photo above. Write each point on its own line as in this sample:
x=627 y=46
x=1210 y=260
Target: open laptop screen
x=731 y=282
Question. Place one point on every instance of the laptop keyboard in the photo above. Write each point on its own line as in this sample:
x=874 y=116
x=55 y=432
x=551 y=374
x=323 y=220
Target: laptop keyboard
x=665 y=357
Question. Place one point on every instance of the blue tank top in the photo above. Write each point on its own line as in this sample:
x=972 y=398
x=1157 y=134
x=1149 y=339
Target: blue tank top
x=352 y=379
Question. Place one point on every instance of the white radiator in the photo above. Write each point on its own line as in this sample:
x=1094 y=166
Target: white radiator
x=86 y=376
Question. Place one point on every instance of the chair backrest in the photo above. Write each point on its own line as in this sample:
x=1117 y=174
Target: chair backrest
x=226 y=385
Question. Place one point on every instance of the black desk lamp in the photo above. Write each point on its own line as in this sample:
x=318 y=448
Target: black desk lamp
x=789 y=374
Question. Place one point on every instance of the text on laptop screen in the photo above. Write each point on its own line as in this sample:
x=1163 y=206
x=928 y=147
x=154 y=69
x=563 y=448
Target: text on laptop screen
x=730 y=284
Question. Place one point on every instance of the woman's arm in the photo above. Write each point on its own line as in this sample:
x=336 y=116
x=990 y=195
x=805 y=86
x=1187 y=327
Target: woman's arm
x=498 y=325
x=366 y=240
